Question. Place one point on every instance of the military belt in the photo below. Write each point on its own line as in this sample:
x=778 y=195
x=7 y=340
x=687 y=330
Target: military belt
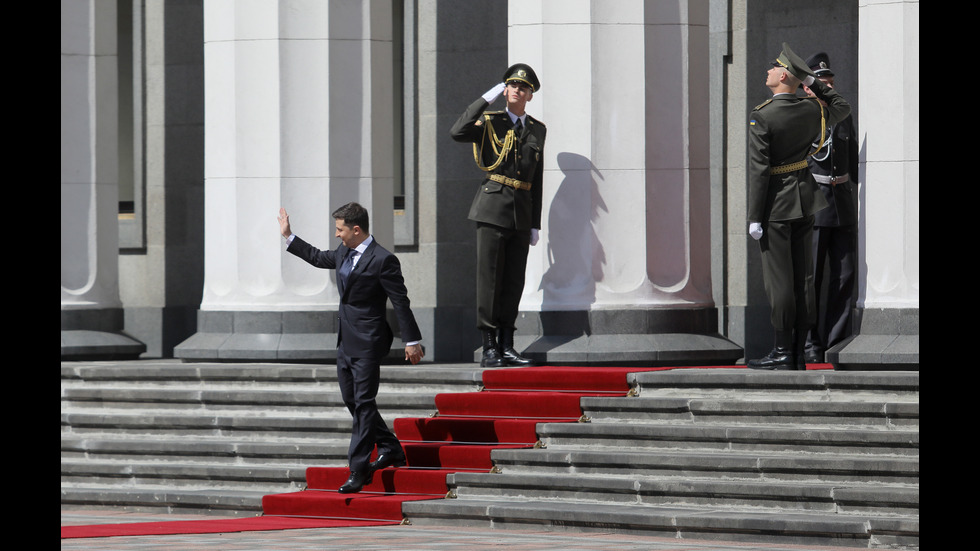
x=516 y=184
x=791 y=167
x=832 y=180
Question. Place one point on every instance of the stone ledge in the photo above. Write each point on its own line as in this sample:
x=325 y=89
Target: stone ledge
x=655 y=349
x=99 y=345
x=886 y=339
x=246 y=336
x=877 y=353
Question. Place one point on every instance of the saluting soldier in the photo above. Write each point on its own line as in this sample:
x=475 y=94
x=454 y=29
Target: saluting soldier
x=783 y=197
x=834 y=167
x=508 y=146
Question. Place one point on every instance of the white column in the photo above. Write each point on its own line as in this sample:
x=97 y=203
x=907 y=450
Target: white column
x=887 y=321
x=92 y=318
x=626 y=212
x=888 y=130
x=298 y=109
x=89 y=156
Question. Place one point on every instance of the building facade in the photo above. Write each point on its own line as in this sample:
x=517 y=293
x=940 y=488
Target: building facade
x=186 y=124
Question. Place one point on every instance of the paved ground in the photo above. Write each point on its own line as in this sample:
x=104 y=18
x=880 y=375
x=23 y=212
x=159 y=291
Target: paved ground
x=387 y=538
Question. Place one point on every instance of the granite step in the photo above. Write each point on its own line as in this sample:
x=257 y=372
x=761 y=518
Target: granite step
x=216 y=436
x=681 y=523
x=853 y=497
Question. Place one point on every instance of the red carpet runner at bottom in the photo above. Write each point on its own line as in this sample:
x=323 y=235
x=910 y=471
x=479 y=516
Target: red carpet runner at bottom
x=467 y=428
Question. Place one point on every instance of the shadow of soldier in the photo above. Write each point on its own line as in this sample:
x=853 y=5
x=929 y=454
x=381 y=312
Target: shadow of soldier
x=575 y=255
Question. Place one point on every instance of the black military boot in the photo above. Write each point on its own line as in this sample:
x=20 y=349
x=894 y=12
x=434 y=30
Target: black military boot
x=491 y=351
x=782 y=355
x=511 y=357
x=799 y=350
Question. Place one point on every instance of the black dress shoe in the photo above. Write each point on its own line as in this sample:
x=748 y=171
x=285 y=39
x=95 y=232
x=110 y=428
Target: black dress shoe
x=492 y=358
x=491 y=351
x=356 y=482
x=388 y=459
x=780 y=358
x=511 y=357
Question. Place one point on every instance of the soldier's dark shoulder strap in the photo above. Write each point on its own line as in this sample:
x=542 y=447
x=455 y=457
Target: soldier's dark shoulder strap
x=536 y=121
x=488 y=115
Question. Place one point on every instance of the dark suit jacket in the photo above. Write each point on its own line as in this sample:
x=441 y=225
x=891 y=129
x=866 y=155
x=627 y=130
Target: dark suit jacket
x=496 y=203
x=780 y=132
x=377 y=278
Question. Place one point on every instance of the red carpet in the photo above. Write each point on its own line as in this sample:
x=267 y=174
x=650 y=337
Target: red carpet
x=467 y=428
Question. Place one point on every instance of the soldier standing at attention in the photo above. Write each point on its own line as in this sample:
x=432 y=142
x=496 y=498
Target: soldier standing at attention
x=835 y=169
x=509 y=146
x=783 y=197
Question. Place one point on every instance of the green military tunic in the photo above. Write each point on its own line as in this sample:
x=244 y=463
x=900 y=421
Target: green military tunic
x=784 y=198
x=507 y=205
x=496 y=202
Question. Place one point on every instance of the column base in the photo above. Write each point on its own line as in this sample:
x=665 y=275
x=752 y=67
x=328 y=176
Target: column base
x=886 y=339
x=295 y=337
x=97 y=335
x=653 y=337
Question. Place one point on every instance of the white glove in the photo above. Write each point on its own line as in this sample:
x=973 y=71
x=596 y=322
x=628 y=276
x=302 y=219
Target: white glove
x=494 y=92
x=755 y=230
x=534 y=236
x=808 y=81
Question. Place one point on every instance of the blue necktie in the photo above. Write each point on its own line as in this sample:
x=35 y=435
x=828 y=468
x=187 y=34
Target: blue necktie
x=345 y=269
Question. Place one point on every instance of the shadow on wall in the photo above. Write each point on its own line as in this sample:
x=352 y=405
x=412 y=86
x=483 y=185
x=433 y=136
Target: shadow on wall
x=575 y=255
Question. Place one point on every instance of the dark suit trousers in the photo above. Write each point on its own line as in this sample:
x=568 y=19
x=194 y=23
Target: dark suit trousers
x=787 y=268
x=359 y=379
x=500 y=264
x=833 y=247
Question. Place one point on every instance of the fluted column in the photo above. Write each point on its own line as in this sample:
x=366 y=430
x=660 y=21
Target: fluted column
x=91 y=312
x=887 y=324
x=298 y=110
x=625 y=251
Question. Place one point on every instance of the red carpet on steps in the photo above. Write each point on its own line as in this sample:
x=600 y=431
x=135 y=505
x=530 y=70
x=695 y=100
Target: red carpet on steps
x=468 y=426
x=466 y=429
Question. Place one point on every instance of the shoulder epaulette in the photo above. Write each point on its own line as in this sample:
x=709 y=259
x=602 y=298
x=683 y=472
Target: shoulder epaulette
x=763 y=104
x=486 y=116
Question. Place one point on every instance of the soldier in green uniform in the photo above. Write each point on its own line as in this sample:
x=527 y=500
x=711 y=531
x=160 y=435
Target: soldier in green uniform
x=508 y=146
x=783 y=197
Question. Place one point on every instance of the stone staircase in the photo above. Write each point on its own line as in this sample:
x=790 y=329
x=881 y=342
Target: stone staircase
x=216 y=437
x=817 y=457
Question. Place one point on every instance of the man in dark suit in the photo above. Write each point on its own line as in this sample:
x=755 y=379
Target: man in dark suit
x=783 y=198
x=509 y=146
x=367 y=277
x=834 y=167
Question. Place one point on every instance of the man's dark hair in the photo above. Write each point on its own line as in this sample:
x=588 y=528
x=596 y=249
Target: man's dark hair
x=353 y=214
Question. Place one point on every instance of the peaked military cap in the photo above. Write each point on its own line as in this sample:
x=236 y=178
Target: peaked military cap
x=523 y=73
x=793 y=63
x=820 y=63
